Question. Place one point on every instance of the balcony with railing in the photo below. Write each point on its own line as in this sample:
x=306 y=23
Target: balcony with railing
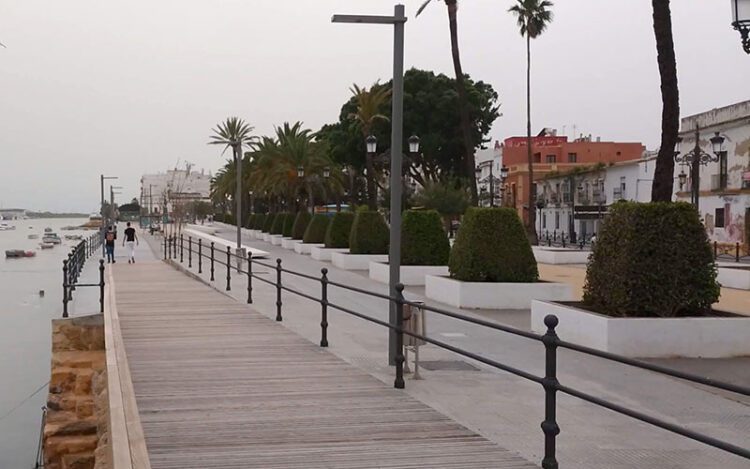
x=618 y=193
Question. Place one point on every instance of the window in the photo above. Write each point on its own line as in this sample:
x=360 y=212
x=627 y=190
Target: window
x=544 y=220
x=723 y=170
x=572 y=158
x=551 y=158
x=557 y=220
x=537 y=157
x=622 y=184
x=719 y=218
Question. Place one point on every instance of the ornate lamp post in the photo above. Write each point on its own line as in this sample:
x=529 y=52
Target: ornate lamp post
x=695 y=158
x=503 y=177
x=741 y=21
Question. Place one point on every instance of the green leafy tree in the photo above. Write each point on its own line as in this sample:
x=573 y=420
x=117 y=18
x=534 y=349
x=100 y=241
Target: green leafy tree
x=533 y=18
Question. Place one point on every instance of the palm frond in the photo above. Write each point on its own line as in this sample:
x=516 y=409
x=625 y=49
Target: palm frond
x=421 y=8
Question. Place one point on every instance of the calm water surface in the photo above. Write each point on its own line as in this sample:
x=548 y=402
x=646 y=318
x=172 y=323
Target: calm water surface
x=25 y=331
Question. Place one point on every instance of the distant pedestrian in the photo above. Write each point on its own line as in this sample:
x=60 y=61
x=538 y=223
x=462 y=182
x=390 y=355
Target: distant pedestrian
x=130 y=240
x=109 y=242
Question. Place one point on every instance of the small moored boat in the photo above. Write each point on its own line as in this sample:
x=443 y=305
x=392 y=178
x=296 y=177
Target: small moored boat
x=15 y=253
x=6 y=227
x=33 y=236
x=50 y=237
x=46 y=245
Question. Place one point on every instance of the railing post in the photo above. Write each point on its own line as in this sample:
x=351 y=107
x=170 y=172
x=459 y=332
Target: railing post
x=174 y=247
x=190 y=252
x=165 y=248
x=324 y=307
x=278 y=290
x=399 y=382
x=229 y=268
x=249 y=276
x=101 y=285
x=181 y=247
x=715 y=249
x=65 y=288
x=550 y=383
x=737 y=252
x=71 y=275
x=212 y=261
x=200 y=255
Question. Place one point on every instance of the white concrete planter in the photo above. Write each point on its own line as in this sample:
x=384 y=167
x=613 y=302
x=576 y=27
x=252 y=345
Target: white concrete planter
x=323 y=253
x=259 y=234
x=708 y=337
x=347 y=261
x=734 y=278
x=304 y=248
x=552 y=255
x=493 y=295
x=267 y=237
x=276 y=239
x=288 y=243
x=412 y=275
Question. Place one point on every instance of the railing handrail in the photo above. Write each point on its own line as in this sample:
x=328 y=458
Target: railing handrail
x=549 y=339
x=73 y=266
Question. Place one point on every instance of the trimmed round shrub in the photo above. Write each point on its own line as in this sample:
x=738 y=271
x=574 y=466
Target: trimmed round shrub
x=278 y=223
x=300 y=224
x=337 y=234
x=651 y=260
x=260 y=220
x=491 y=246
x=423 y=239
x=369 y=233
x=268 y=222
x=316 y=229
x=250 y=221
x=288 y=225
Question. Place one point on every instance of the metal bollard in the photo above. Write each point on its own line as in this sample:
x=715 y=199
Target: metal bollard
x=399 y=382
x=249 y=277
x=737 y=252
x=190 y=252
x=181 y=245
x=200 y=256
x=101 y=285
x=229 y=268
x=65 y=288
x=165 y=248
x=550 y=383
x=324 y=307
x=212 y=261
x=278 y=290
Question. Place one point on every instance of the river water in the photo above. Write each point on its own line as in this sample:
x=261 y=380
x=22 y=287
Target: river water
x=25 y=317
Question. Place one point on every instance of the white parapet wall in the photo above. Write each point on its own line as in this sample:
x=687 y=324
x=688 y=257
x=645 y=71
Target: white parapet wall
x=222 y=244
x=276 y=239
x=410 y=275
x=267 y=237
x=732 y=277
x=305 y=248
x=706 y=337
x=259 y=235
x=493 y=295
x=288 y=243
x=348 y=261
x=552 y=255
x=323 y=253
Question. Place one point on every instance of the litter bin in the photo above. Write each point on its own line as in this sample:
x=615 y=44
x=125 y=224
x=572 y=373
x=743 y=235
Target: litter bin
x=414 y=322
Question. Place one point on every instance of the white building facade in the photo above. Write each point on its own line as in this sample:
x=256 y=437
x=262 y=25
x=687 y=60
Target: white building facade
x=724 y=196
x=571 y=205
x=489 y=161
x=161 y=190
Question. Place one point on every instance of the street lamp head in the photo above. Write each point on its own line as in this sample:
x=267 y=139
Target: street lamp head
x=372 y=144
x=741 y=21
x=717 y=143
x=414 y=144
x=540 y=203
x=300 y=172
x=326 y=172
x=504 y=172
x=682 y=178
x=677 y=145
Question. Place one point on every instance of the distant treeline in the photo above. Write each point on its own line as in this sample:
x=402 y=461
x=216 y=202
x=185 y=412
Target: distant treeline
x=55 y=215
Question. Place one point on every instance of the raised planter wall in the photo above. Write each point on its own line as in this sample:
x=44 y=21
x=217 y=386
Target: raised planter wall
x=347 y=261
x=734 y=278
x=288 y=243
x=324 y=253
x=276 y=239
x=411 y=275
x=715 y=337
x=304 y=248
x=491 y=295
x=551 y=255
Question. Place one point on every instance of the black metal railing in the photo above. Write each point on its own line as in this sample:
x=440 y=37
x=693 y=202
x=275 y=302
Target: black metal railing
x=549 y=340
x=562 y=239
x=729 y=253
x=73 y=266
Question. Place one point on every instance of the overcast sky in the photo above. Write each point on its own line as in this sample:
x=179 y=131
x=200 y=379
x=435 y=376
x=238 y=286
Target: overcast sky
x=123 y=88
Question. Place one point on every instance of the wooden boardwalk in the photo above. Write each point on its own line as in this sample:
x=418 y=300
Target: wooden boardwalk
x=218 y=385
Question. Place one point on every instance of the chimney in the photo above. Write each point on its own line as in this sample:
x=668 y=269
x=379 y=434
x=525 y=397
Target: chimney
x=598 y=139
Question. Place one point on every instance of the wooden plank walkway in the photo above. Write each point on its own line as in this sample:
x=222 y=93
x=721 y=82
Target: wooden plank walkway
x=220 y=386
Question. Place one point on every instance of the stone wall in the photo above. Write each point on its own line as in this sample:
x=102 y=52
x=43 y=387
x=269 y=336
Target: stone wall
x=75 y=433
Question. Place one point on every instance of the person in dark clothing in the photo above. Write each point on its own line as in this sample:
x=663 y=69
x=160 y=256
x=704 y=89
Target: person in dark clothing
x=109 y=242
x=130 y=239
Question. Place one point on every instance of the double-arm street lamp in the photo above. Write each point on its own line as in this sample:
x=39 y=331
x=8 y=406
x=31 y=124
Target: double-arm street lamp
x=102 y=178
x=741 y=21
x=491 y=178
x=695 y=158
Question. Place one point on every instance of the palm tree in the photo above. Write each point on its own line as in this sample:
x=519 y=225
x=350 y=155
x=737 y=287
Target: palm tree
x=234 y=133
x=533 y=17
x=661 y=189
x=463 y=101
x=369 y=102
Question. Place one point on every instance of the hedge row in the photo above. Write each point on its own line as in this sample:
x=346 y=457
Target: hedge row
x=300 y=224
x=278 y=223
x=286 y=231
x=423 y=239
x=337 y=234
x=268 y=222
x=369 y=233
x=316 y=229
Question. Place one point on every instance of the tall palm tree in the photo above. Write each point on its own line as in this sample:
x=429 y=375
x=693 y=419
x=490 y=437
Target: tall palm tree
x=234 y=133
x=661 y=189
x=369 y=102
x=533 y=17
x=463 y=100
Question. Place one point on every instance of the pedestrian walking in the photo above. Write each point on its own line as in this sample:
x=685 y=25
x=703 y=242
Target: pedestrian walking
x=109 y=242
x=131 y=239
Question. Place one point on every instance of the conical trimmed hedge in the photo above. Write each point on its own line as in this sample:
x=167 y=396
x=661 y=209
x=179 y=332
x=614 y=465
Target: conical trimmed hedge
x=278 y=223
x=250 y=221
x=423 y=239
x=300 y=224
x=260 y=221
x=316 y=229
x=288 y=225
x=369 y=233
x=491 y=246
x=651 y=260
x=337 y=235
x=268 y=222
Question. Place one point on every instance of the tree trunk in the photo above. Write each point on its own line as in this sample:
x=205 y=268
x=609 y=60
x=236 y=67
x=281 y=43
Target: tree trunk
x=661 y=189
x=463 y=102
x=372 y=195
x=530 y=211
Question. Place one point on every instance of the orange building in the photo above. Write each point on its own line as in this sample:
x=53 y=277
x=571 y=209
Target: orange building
x=553 y=153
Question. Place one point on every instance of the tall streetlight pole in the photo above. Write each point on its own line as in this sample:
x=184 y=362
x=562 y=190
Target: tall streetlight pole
x=238 y=203
x=695 y=158
x=101 y=208
x=398 y=21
